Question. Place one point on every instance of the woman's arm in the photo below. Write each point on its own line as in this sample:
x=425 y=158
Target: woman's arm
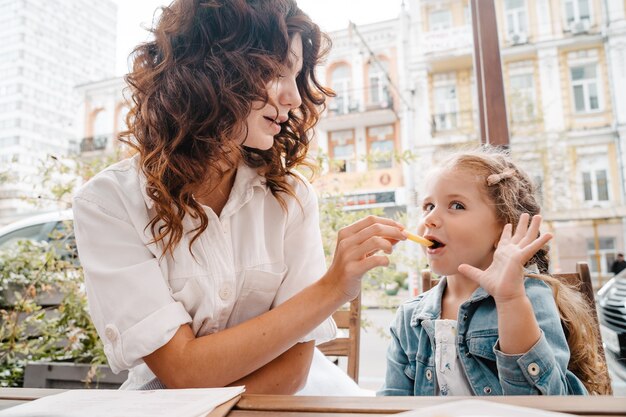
x=227 y=356
x=287 y=374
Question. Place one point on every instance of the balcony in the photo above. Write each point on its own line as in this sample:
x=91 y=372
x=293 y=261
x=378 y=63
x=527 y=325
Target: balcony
x=453 y=122
x=94 y=143
x=347 y=112
x=452 y=39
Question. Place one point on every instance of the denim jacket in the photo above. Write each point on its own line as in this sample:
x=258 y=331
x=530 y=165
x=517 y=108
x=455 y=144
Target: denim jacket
x=542 y=370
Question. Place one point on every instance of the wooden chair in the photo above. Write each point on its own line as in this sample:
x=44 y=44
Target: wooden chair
x=349 y=320
x=580 y=279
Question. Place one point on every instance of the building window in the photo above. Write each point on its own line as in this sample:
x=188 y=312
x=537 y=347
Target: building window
x=341 y=82
x=378 y=84
x=585 y=88
x=342 y=151
x=577 y=11
x=121 y=125
x=446 y=106
x=467 y=14
x=381 y=146
x=522 y=97
x=606 y=252
x=439 y=20
x=516 y=24
x=595 y=185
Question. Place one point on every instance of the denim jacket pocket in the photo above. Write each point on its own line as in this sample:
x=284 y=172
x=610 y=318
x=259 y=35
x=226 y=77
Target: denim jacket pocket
x=481 y=343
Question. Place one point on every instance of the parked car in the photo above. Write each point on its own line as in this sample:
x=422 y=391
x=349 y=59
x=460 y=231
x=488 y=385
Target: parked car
x=54 y=227
x=612 y=311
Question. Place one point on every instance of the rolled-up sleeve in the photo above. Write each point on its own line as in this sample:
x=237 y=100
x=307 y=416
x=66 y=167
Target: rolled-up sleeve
x=129 y=300
x=304 y=255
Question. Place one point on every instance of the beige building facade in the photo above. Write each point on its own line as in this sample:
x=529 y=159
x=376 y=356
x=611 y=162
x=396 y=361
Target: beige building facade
x=564 y=66
x=406 y=87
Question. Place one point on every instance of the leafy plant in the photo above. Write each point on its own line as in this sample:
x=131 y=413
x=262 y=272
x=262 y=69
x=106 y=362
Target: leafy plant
x=29 y=332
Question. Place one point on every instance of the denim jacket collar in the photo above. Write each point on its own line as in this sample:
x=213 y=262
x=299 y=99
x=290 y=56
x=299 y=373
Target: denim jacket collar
x=430 y=307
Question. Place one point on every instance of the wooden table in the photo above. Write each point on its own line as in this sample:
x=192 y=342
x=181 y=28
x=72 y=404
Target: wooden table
x=288 y=406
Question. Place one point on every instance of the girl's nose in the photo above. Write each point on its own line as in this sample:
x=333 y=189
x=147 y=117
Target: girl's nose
x=432 y=220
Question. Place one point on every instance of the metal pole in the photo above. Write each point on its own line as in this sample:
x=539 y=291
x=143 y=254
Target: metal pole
x=494 y=128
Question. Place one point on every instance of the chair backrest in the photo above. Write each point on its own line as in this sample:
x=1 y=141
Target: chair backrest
x=582 y=280
x=349 y=320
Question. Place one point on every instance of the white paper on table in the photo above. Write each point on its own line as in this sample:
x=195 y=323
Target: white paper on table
x=479 y=408
x=195 y=402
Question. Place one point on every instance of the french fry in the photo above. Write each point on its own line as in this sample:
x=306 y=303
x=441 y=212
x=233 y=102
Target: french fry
x=419 y=239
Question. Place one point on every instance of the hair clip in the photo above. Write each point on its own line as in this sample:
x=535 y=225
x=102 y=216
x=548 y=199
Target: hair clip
x=496 y=178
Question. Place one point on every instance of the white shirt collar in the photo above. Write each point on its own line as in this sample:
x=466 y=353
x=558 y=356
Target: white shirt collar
x=246 y=179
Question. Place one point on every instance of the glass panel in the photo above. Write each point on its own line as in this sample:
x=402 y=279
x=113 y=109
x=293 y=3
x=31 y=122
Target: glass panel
x=583 y=9
x=602 y=184
x=579 y=98
x=341 y=72
x=25 y=233
x=381 y=151
x=441 y=19
x=569 y=11
x=593 y=263
x=513 y=4
x=606 y=243
x=374 y=90
x=587 y=186
x=578 y=73
x=343 y=151
x=593 y=96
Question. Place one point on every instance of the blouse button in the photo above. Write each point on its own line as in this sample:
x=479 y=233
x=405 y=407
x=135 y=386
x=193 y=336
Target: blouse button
x=487 y=390
x=533 y=369
x=429 y=374
x=110 y=333
x=225 y=292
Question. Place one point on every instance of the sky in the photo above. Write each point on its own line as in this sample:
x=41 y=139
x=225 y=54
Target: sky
x=134 y=16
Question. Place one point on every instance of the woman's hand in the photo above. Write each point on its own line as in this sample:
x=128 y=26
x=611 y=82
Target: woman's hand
x=356 y=250
x=504 y=279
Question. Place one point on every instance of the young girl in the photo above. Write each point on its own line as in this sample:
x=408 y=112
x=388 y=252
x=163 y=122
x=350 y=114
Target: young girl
x=202 y=254
x=490 y=327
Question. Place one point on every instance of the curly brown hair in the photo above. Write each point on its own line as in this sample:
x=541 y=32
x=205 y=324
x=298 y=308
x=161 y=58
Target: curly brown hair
x=192 y=89
x=512 y=195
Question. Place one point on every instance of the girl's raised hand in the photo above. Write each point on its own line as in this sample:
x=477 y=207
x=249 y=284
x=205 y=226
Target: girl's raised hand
x=504 y=279
x=356 y=250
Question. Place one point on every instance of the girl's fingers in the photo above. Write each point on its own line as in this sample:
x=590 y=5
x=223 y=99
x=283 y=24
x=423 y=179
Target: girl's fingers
x=505 y=236
x=470 y=272
x=522 y=227
x=534 y=246
x=533 y=231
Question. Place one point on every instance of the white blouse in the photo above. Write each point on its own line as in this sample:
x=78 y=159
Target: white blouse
x=451 y=379
x=250 y=259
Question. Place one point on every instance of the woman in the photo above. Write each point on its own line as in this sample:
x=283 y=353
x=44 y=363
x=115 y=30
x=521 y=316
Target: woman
x=202 y=253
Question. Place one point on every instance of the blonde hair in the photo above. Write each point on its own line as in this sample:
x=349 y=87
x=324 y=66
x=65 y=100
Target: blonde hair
x=513 y=193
